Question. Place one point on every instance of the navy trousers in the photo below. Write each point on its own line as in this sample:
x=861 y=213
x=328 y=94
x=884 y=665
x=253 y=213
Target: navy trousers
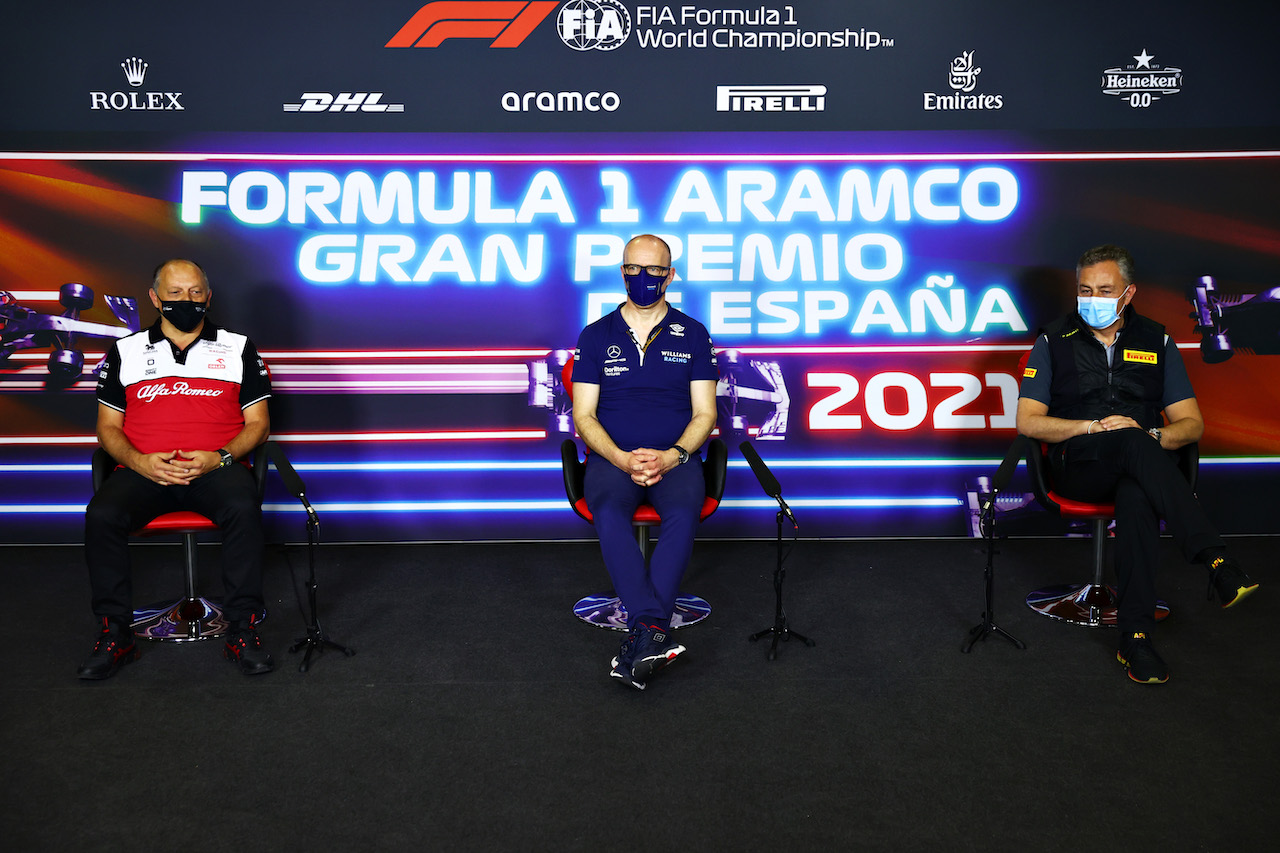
x=1129 y=467
x=127 y=501
x=647 y=592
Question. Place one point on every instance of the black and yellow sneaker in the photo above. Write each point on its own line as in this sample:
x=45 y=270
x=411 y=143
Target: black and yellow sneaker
x=1139 y=657
x=1230 y=581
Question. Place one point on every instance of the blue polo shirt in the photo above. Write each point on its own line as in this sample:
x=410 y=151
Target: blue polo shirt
x=644 y=391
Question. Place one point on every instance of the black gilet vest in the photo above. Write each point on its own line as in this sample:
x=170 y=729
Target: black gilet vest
x=1085 y=387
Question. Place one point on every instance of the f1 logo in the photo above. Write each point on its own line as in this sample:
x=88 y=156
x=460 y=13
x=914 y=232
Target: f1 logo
x=507 y=22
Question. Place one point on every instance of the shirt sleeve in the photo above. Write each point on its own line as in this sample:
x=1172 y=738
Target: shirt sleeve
x=1177 y=384
x=110 y=391
x=255 y=384
x=704 y=357
x=586 y=364
x=1037 y=376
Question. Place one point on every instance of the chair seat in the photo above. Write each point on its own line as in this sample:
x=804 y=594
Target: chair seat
x=181 y=521
x=646 y=514
x=1071 y=508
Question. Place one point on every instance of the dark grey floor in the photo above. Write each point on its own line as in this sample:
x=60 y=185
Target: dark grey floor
x=477 y=714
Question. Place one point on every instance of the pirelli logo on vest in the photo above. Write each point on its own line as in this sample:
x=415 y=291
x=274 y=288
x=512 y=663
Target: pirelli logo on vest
x=1028 y=373
x=1140 y=356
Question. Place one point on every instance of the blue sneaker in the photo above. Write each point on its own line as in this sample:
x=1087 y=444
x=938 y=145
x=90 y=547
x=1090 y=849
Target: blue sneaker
x=621 y=664
x=654 y=650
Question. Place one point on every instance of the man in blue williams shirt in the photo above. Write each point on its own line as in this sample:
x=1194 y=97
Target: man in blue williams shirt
x=1094 y=388
x=644 y=401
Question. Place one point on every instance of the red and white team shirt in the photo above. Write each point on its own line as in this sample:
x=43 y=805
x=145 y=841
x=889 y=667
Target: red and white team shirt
x=182 y=400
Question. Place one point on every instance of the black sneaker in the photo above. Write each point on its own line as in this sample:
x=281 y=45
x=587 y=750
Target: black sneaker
x=114 y=648
x=654 y=650
x=620 y=666
x=245 y=648
x=1140 y=658
x=1230 y=581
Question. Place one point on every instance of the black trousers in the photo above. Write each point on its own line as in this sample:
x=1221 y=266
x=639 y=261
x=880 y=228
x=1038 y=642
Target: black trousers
x=127 y=501
x=1129 y=467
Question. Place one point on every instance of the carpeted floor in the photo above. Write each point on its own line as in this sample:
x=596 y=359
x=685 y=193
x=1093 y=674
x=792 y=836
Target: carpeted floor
x=478 y=715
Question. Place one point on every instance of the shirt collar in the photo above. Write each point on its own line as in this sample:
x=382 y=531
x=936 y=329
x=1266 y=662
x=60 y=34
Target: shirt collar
x=208 y=333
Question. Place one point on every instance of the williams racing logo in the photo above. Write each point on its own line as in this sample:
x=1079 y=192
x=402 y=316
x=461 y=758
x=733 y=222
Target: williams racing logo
x=677 y=357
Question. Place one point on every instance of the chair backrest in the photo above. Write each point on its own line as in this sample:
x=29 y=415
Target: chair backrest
x=102 y=465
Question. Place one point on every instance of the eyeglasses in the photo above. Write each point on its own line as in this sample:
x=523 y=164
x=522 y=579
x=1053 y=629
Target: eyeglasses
x=634 y=269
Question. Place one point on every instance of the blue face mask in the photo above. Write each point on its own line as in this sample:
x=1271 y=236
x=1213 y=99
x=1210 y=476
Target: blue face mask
x=1099 y=312
x=644 y=289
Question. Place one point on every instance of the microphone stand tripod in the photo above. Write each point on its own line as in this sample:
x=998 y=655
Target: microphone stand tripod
x=316 y=639
x=987 y=625
x=780 y=630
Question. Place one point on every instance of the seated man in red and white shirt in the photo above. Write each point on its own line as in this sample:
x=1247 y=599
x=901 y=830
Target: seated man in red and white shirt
x=178 y=404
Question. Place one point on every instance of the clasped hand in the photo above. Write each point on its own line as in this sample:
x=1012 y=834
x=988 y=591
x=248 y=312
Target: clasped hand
x=178 y=467
x=1114 y=422
x=647 y=466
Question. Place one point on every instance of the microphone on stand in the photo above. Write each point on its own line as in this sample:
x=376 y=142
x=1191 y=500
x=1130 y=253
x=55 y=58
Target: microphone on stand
x=292 y=482
x=1003 y=475
x=768 y=482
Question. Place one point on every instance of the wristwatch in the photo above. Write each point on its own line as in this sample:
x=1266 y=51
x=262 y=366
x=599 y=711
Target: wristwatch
x=227 y=458
x=681 y=453
x=1155 y=433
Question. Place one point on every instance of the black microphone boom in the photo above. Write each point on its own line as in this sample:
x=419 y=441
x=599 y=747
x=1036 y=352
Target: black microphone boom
x=292 y=482
x=768 y=482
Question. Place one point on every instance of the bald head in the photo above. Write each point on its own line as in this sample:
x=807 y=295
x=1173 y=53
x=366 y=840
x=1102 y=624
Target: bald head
x=179 y=269
x=647 y=249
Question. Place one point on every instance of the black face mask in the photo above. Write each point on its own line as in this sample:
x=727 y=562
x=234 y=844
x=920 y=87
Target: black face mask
x=184 y=316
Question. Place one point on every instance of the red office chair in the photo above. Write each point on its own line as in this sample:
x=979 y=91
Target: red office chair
x=192 y=617
x=606 y=611
x=1091 y=604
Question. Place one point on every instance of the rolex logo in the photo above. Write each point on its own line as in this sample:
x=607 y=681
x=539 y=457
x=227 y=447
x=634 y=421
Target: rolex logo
x=134 y=70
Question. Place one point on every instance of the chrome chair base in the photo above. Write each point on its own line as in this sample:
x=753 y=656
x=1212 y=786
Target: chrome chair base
x=186 y=621
x=1089 y=604
x=606 y=611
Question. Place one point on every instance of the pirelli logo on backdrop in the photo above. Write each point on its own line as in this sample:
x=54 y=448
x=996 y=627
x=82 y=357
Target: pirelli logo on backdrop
x=506 y=23
x=1140 y=356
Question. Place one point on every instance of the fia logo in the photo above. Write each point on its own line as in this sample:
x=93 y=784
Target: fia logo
x=593 y=24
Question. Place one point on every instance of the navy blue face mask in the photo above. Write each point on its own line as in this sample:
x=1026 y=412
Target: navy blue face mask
x=644 y=289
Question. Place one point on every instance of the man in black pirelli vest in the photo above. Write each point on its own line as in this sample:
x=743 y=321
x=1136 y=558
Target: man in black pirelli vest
x=179 y=404
x=1106 y=388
